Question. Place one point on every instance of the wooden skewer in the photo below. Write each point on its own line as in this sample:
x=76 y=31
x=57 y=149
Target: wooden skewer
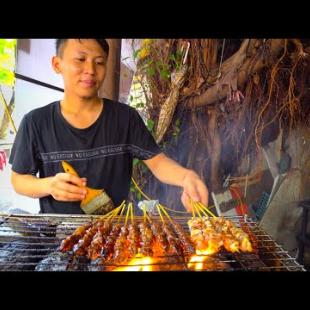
x=165 y=212
x=144 y=213
x=207 y=210
x=161 y=217
x=127 y=213
x=131 y=213
x=197 y=209
x=122 y=211
x=202 y=210
x=193 y=210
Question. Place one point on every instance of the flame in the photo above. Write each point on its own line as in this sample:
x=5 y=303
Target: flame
x=138 y=263
x=198 y=261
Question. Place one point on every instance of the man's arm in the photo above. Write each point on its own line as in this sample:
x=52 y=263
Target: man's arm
x=168 y=171
x=63 y=186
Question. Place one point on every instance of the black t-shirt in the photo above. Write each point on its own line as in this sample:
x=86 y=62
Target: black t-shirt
x=102 y=153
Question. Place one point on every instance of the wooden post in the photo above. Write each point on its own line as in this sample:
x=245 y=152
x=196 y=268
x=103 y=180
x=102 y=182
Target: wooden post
x=110 y=87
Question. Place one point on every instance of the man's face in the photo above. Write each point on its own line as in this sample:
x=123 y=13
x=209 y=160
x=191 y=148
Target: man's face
x=82 y=64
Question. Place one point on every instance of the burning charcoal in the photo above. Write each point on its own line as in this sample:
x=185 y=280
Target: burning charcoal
x=79 y=263
x=56 y=261
x=97 y=265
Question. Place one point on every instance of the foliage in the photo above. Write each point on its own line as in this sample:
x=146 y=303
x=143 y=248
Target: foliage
x=7 y=61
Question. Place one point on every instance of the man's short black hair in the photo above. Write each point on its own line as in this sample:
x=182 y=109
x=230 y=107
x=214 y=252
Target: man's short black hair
x=61 y=42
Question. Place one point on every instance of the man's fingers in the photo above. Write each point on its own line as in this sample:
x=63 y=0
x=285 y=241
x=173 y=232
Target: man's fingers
x=74 y=179
x=73 y=189
x=203 y=193
x=192 y=192
x=186 y=202
x=62 y=195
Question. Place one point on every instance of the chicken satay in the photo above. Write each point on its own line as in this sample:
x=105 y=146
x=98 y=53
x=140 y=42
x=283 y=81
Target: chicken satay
x=174 y=243
x=242 y=238
x=204 y=235
x=68 y=243
x=186 y=243
x=121 y=251
x=80 y=248
x=97 y=244
x=108 y=248
x=160 y=244
x=146 y=239
x=133 y=238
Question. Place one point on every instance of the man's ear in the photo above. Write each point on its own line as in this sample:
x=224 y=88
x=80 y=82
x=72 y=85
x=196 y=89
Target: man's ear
x=56 y=64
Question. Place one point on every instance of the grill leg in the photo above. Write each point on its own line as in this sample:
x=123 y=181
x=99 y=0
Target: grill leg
x=303 y=235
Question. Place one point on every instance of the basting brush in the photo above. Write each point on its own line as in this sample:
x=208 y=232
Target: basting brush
x=97 y=201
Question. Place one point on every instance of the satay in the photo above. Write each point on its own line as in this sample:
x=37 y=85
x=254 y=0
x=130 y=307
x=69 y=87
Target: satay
x=186 y=243
x=95 y=248
x=68 y=243
x=146 y=240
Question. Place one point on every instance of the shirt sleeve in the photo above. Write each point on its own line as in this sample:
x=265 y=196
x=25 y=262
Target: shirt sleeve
x=23 y=155
x=142 y=143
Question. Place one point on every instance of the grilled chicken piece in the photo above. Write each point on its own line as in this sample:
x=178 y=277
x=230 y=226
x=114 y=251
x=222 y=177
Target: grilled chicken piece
x=186 y=243
x=68 y=243
x=108 y=248
x=121 y=251
x=160 y=244
x=80 y=248
x=95 y=248
x=133 y=238
x=174 y=243
x=147 y=239
x=209 y=234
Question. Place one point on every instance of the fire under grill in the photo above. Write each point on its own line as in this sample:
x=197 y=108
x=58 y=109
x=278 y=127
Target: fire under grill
x=31 y=243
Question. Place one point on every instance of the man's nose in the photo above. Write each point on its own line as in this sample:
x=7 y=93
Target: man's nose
x=90 y=67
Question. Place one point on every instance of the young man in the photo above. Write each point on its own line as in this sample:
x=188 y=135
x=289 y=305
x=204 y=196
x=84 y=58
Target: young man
x=97 y=136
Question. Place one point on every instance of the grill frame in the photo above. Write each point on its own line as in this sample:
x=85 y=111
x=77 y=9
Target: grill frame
x=38 y=227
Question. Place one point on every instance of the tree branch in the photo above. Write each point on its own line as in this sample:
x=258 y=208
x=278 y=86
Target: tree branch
x=236 y=70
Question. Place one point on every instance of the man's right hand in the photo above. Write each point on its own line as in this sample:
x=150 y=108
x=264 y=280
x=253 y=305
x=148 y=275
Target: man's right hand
x=67 y=187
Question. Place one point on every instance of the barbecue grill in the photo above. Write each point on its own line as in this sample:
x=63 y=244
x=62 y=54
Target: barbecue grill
x=30 y=242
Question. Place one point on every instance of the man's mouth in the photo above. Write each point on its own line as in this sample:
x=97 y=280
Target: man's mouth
x=88 y=83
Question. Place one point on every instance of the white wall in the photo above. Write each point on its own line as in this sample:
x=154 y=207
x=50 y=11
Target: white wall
x=34 y=61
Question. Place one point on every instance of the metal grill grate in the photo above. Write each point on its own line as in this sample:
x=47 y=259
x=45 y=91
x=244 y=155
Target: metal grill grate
x=30 y=242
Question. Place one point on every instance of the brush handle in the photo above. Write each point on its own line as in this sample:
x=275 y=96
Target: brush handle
x=68 y=168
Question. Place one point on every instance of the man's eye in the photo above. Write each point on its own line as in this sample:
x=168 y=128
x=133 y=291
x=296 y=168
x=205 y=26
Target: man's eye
x=80 y=59
x=100 y=63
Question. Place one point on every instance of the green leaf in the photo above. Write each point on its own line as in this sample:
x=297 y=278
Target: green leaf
x=150 y=71
x=136 y=53
x=139 y=196
x=150 y=124
x=135 y=161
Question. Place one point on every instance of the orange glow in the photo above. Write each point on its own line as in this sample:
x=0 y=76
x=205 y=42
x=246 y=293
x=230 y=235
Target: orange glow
x=138 y=263
x=196 y=262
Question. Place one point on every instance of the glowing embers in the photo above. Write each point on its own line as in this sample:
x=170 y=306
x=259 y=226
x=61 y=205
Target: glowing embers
x=206 y=263
x=138 y=263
